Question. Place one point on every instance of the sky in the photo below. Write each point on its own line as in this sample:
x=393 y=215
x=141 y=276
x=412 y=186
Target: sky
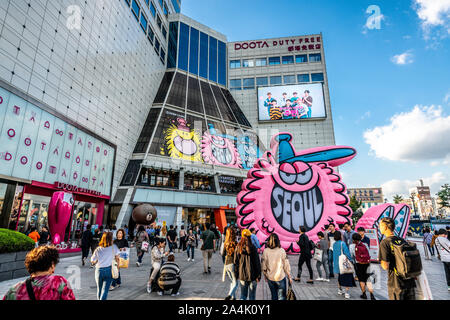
x=388 y=66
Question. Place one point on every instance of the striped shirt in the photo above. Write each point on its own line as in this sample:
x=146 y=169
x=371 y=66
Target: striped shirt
x=169 y=274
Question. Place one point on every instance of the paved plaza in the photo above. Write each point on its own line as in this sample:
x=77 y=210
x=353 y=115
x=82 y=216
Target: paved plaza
x=198 y=286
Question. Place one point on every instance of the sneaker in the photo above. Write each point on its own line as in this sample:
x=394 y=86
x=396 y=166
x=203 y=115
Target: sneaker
x=297 y=279
x=372 y=297
x=138 y=264
x=193 y=260
x=175 y=294
x=228 y=298
x=320 y=279
x=112 y=288
x=327 y=280
x=82 y=261
x=363 y=296
x=347 y=296
x=189 y=259
x=310 y=282
x=340 y=292
x=149 y=288
x=160 y=293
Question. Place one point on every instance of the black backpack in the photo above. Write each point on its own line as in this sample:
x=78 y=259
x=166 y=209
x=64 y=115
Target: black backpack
x=408 y=263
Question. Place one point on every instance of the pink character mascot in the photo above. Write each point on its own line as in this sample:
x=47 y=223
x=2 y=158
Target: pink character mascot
x=59 y=213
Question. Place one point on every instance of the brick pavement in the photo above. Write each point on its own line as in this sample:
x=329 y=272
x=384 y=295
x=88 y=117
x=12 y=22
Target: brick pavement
x=197 y=286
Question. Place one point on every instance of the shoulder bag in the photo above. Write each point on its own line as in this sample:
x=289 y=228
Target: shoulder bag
x=30 y=289
x=114 y=265
x=345 y=266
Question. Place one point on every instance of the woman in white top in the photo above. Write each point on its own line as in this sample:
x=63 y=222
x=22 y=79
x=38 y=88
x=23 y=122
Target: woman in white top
x=157 y=256
x=102 y=258
x=443 y=248
x=275 y=266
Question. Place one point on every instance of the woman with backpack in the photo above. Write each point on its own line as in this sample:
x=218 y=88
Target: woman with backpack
x=139 y=239
x=361 y=256
x=345 y=277
x=229 y=247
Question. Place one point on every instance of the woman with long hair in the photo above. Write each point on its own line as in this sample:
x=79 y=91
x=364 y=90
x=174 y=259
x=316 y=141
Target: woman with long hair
x=229 y=247
x=141 y=236
x=276 y=267
x=102 y=258
x=122 y=244
x=246 y=260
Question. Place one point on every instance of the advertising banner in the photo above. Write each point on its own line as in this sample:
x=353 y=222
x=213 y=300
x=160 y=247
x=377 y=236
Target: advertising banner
x=374 y=244
x=292 y=102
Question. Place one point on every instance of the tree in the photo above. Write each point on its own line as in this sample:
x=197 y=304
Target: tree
x=355 y=205
x=444 y=196
x=398 y=199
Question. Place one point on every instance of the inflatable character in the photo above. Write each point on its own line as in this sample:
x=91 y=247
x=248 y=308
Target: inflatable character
x=59 y=213
x=219 y=149
x=399 y=212
x=248 y=151
x=144 y=214
x=288 y=189
x=182 y=142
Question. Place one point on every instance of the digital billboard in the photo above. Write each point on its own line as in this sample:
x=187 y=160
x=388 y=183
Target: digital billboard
x=291 y=102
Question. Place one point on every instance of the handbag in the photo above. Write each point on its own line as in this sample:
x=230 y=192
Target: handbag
x=144 y=246
x=114 y=266
x=290 y=295
x=345 y=266
x=318 y=254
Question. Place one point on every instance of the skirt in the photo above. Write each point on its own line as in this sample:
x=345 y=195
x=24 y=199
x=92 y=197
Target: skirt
x=361 y=271
x=346 y=280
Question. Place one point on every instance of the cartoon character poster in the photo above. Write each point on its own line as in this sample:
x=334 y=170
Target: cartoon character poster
x=182 y=142
x=288 y=189
x=219 y=149
x=248 y=150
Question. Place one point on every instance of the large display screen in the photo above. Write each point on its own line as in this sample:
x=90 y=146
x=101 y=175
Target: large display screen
x=293 y=102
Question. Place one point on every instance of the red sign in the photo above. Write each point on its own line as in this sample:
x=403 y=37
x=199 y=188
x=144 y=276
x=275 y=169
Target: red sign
x=297 y=44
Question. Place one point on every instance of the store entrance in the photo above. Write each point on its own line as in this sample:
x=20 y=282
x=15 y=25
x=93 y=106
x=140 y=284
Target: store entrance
x=84 y=213
x=33 y=213
x=198 y=217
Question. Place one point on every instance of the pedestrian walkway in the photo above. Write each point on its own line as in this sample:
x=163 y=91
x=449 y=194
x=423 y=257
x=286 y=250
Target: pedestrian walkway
x=199 y=286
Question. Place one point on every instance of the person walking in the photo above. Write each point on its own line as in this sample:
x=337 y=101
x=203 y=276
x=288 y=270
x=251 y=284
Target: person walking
x=443 y=248
x=398 y=287
x=172 y=238
x=191 y=240
x=345 y=280
x=139 y=239
x=359 y=252
x=183 y=238
x=229 y=247
x=208 y=247
x=42 y=284
x=122 y=243
x=248 y=266
x=254 y=239
x=427 y=237
x=86 y=243
x=276 y=267
x=34 y=235
x=96 y=239
x=322 y=245
x=169 y=276
x=348 y=234
x=102 y=260
x=330 y=236
x=305 y=255
x=157 y=259
x=44 y=236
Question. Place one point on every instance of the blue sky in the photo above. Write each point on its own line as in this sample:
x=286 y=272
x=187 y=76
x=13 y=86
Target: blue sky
x=389 y=86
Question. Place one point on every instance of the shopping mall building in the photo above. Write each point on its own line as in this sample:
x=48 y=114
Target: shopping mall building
x=128 y=101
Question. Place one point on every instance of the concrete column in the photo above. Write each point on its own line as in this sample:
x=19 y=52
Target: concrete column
x=179 y=217
x=216 y=182
x=126 y=210
x=181 y=180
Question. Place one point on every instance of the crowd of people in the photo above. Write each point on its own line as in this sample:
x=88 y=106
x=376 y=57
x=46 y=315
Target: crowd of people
x=341 y=253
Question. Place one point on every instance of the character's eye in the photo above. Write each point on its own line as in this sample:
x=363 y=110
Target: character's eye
x=287 y=173
x=304 y=177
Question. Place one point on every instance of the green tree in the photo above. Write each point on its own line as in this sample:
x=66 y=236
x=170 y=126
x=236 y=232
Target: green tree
x=444 y=195
x=355 y=205
x=398 y=199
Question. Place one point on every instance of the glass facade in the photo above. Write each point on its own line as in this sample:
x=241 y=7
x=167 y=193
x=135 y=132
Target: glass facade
x=208 y=100
x=158 y=178
x=235 y=64
x=247 y=63
x=212 y=59
x=222 y=63
x=183 y=47
x=147 y=130
x=316 y=77
x=203 y=71
x=275 y=80
x=302 y=58
x=235 y=84
x=262 y=81
x=194 y=101
x=303 y=78
x=289 y=79
x=177 y=95
x=172 y=46
x=288 y=59
x=274 y=61
x=163 y=87
x=248 y=83
x=315 y=57
x=193 y=51
x=261 y=62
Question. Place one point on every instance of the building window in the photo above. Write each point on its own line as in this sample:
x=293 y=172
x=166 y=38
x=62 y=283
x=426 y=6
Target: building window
x=151 y=35
x=288 y=59
x=315 y=57
x=183 y=47
x=158 y=22
x=176 y=6
x=261 y=62
x=152 y=9
x=274 y=60
x=246 y=63
x=157 y=45
x=289 y=79
x=144 y=23
x=212 y=75
x=248 y=83
x=234 y=64
x=165 y=10
x=317 y=77
x=193 y=55
x=164 y=32
x=163 y=56
x=159 y=178
x=275 y=80
x=262 y=81
x=128 y=2
x=230 y=184
x=301 y=78
x=200 y=183
x=222 y=63
x=235 y=84
x=301 y=58
x=203 y=70
x=136 y=10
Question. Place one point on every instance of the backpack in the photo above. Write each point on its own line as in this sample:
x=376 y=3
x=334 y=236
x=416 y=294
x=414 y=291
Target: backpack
x=362 y=254
x=312 y=245
x=408 y=263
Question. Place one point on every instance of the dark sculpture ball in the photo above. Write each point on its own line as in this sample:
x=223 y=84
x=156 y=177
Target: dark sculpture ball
x=144 y=214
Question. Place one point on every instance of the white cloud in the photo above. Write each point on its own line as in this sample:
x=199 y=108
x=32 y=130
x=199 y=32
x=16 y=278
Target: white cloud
x=403 y=58
x=433 y=13
x=401 y=187
x=421 y=134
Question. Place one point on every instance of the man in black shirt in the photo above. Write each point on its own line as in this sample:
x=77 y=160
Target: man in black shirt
x=330 y=234
x=305 y=255
x=398 y=288
x=86 y=243
x=171 y=238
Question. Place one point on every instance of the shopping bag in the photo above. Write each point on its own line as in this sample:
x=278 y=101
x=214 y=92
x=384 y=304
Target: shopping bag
x=124 y=258
x=318 y=255
x=423 y=291
x=345 y=266
x=290 y=295
x=144 y=246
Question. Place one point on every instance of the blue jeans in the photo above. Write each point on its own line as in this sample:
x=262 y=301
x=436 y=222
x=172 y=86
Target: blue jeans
x=103 y=277
x=140 y=256
x=229 y=269
x=191 y=250
x=330 y=262
x=248 y=289
x=278 y=289
x=117 y=281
